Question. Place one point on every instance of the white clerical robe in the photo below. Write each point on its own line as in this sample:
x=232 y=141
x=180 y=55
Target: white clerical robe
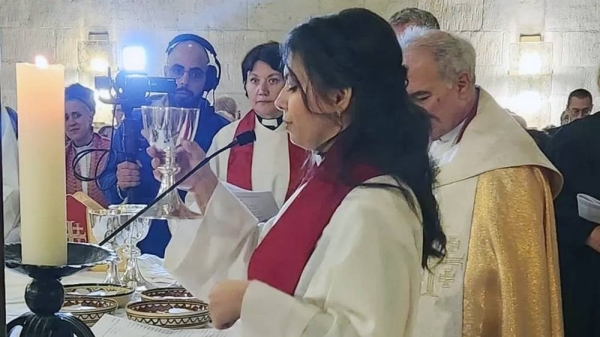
x=363 y=278
x=270 y=158
x=500 y=276
x=10 y=179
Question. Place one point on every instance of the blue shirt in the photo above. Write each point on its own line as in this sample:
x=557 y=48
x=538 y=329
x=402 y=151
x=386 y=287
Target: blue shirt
x=158 y=237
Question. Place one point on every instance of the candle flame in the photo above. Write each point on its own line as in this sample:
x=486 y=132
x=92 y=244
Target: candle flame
x=41 y=62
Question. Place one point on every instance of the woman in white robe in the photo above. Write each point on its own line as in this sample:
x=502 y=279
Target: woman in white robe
x=344 y=256
x=272 y=163
x=10 y=178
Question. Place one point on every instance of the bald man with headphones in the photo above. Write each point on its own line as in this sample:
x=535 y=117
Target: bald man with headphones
x=193 y=62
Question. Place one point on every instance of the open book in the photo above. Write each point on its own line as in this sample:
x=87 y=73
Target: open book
x=589 y=208
x=110 y=326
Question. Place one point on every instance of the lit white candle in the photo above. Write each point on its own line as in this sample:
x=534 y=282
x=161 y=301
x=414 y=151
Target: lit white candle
x=40 y=103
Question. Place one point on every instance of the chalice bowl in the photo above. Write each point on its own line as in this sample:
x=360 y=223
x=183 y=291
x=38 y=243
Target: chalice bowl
x=128 y=239
x=104 y=222
x=165 y=128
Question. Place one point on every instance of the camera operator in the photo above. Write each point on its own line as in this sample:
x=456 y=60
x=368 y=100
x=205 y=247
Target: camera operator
x=188 y=61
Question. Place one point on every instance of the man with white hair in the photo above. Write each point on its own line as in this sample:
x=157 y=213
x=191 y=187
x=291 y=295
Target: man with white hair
x=10 y=175
x=495 y=191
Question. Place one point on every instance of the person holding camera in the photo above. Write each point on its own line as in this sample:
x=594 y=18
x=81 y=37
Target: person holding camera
x=189 y=62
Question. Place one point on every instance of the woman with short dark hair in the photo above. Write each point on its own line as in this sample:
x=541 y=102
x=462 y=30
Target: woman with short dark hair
x=272 y=163
x=345 y=254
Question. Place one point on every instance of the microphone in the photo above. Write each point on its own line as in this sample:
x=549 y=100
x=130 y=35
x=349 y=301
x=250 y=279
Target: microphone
x=241 y=140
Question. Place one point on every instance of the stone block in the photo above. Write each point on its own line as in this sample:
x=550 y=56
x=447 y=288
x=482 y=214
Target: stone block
x=572 y=16
x=217 y=14
x=57 y=13
x=232 y=46
x=8 y=72
x=145 y=14
x=14 y=13
x=556 y=39
x=277 y=35
x=493 y=79
x=231 y=78
x=581 y=49
x=456 y=15
x=335 y=6
x=99 y=15
x=23 y=44
x=67 y=41
x=489 y=47
x=387 y=8
x=567 y=79
x=557 y=106
x=280 y=14
x=523 y=16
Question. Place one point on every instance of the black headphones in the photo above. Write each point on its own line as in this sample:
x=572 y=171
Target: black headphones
x=213 y=72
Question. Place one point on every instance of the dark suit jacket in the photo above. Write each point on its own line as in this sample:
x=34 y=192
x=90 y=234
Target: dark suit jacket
x=575 y=151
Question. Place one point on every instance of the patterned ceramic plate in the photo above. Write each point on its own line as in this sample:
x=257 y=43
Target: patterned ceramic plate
x=174 y=314
x=121 y=294
x=89 y=309
x=167 y=294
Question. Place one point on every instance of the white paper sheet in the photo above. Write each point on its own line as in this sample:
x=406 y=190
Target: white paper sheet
x=589 y=208
x=111 y=326
x=261 y=204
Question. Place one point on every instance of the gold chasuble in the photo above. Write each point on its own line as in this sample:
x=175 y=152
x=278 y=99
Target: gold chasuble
x=500 y=277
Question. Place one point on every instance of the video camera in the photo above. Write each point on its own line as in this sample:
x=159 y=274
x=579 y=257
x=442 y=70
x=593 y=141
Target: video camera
x=132 y=90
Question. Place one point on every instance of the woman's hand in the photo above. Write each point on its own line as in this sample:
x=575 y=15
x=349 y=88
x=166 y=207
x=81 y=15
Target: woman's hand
x=202 y=183
x=225 y=303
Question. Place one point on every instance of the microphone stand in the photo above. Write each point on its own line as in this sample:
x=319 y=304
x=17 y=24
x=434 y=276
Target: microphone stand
x=242 y=139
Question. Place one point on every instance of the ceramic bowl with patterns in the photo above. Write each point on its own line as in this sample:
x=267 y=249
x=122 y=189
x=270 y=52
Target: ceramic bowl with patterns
x=89 y=309
x=167 y=294
x=173 y=314
x=121 y=294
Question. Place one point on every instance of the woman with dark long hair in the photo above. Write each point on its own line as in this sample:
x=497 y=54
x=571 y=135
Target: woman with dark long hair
x=345 y=254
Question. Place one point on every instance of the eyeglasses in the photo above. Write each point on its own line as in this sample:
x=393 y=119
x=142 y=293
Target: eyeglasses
x=177 y=72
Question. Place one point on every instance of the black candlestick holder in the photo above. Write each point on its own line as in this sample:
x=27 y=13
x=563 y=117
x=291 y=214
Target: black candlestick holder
x=45 y=295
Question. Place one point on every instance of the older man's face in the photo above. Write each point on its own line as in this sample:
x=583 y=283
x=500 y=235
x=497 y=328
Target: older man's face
x=444 y=101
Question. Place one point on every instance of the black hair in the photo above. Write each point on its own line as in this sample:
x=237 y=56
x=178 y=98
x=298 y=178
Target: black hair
x=579 y=93
x=268 y=53
x=357 y=49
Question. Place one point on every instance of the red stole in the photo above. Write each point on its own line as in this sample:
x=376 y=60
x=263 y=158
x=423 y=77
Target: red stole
x=280 y=258
x=96 y=158
x=239 y=166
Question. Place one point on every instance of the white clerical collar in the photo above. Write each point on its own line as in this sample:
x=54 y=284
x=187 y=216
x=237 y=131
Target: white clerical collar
x=272 y=124
x=452 y=136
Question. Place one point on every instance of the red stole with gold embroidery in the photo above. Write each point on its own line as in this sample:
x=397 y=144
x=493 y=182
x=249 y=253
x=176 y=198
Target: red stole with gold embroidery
x=280 y=258
x=239 y=166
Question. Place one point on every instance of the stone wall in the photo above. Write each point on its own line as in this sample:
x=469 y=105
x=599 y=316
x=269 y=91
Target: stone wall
x=54 y=28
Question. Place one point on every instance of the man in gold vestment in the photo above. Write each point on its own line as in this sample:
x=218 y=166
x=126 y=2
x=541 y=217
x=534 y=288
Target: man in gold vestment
x=495 y=191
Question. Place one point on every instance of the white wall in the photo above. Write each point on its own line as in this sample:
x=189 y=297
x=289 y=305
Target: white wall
x=53 y=28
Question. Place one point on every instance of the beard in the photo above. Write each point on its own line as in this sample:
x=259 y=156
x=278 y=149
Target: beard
x=185 y=99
